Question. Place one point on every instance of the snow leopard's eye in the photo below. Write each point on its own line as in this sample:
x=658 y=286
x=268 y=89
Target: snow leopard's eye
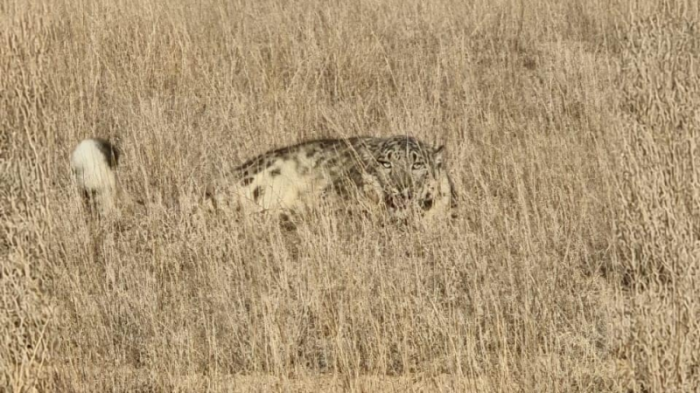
x=418 y=166
x=385 y=164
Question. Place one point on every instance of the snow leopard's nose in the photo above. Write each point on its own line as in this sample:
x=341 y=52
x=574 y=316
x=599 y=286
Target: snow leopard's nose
x=400 y=198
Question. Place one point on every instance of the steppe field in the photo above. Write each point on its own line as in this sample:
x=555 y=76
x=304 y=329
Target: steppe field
x=573 y=136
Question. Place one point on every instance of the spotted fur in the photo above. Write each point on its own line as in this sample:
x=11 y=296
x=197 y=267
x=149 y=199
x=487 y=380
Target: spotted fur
x=400 y=173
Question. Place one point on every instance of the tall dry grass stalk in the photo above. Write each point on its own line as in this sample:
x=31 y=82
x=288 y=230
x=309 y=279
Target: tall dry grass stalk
x=572 y=132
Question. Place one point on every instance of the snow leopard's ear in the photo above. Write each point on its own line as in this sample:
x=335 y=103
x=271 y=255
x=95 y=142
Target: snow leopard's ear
x=439 y=156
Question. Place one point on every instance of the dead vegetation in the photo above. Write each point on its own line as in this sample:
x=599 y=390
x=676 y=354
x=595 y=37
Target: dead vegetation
x=572 y=130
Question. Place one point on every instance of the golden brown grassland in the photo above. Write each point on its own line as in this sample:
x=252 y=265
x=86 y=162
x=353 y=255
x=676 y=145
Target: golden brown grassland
x=572 y=128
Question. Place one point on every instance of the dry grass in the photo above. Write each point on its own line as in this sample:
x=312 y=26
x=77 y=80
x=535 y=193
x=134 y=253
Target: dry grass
x=572 y=129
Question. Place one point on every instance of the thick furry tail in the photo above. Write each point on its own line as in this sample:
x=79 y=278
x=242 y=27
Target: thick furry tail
x=93 y=164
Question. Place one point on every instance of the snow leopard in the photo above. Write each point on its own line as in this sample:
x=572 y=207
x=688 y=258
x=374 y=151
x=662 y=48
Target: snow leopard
x=401 y=175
